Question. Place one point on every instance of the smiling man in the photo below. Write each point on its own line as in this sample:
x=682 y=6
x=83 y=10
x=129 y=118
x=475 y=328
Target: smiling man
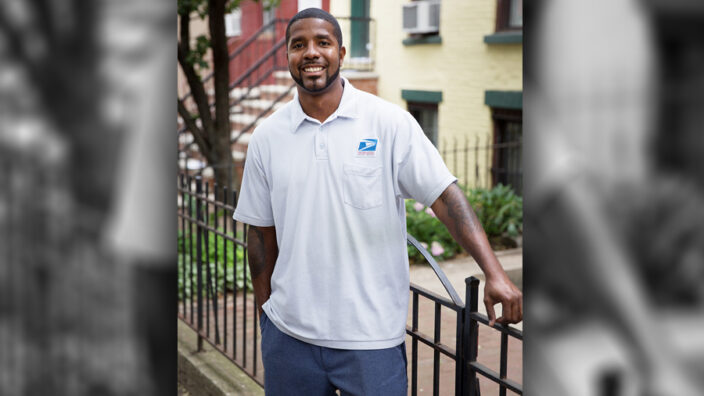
x=323 y=192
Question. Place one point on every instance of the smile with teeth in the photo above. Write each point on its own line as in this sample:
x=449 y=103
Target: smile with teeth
x=312 y=69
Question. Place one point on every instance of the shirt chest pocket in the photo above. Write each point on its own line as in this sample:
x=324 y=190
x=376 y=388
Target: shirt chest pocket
x=362 y=186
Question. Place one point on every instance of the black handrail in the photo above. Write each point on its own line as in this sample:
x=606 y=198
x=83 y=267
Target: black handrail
x=440 y=274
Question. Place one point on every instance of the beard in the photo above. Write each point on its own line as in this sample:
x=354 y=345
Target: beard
x=328 y=82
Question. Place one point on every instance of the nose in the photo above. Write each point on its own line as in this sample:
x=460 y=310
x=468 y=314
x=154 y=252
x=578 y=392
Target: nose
x=311 y=51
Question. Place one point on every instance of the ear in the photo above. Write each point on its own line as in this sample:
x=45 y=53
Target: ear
x=343 y=51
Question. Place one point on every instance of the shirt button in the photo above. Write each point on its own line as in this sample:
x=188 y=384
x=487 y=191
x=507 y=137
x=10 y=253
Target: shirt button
x=322 y=146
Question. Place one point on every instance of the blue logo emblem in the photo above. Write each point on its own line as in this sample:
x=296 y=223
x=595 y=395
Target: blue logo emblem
x=367 y=145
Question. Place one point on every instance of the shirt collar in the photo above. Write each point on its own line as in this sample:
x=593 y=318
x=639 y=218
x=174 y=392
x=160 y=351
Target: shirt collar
x=347 y=107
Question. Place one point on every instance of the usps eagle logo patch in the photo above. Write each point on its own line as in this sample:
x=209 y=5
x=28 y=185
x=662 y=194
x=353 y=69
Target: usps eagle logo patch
x=367 y=148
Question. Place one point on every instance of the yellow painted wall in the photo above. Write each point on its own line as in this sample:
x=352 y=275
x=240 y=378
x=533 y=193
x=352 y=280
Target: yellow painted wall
x=463 y=67
x=340 y=8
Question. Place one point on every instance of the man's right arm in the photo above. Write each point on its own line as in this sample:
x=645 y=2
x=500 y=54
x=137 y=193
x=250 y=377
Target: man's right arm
x=262 y=252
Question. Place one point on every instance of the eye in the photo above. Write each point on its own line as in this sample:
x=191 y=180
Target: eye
x=296 y=45
x=324 y=43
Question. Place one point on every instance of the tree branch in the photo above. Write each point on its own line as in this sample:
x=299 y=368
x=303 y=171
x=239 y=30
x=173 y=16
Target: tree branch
x=197 y=91
x=200 y=138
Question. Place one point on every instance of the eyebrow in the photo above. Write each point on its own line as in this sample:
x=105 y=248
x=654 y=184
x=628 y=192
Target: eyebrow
x=317 y=36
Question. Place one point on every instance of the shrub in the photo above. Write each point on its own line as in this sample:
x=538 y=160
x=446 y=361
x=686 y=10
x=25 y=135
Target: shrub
x=499 y=210
x=427 y=229
x=185 y=263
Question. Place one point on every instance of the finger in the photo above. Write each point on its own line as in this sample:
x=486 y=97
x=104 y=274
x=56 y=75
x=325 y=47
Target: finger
x=490 y=312
x=506 y=312
x=515 y=312
x=520 y=308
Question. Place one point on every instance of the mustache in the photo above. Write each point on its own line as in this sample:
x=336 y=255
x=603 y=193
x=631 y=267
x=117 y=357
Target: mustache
x=311 y=64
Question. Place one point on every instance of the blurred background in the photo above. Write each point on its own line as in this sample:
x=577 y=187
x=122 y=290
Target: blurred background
x=87 y=236
x=614 y=244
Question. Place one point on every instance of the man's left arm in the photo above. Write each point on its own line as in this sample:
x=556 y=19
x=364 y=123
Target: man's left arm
x=453 y=209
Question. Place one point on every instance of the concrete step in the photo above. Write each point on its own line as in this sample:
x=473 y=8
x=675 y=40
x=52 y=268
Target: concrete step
x=244 y=139
x=238 y=126
x=273 y=92
x=236 y=93
x=263 y=107
x=283 y=77
x=238 y=154
x=242 y=118
x=275 y=88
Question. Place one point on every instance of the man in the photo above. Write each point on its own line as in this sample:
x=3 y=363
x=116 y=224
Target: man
x=323 y=192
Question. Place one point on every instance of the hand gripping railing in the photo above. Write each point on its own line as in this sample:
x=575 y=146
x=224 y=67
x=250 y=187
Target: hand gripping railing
x=467 y=337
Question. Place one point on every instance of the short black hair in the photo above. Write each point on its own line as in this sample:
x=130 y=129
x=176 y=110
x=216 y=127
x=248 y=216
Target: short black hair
x=318 y=14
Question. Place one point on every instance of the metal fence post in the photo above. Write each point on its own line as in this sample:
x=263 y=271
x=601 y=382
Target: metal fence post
x=460 y=366
x=471 y=337
x=199 y=259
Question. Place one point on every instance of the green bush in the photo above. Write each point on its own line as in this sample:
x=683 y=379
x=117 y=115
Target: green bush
x=428 y=230
x=499 y=210
x=185 y=263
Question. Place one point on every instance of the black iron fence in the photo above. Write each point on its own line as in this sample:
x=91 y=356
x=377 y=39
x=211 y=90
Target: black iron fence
x=484 y=165
x=215 y=299
x=214 y=291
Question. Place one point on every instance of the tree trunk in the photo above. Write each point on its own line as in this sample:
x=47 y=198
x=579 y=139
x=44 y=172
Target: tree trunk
x=221 y=77
x=225 y=174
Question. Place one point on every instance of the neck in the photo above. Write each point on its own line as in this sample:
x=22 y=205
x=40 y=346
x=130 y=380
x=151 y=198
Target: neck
x=321 y=105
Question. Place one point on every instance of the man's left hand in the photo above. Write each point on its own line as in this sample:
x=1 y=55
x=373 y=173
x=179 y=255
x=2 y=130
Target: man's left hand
x=502 y=290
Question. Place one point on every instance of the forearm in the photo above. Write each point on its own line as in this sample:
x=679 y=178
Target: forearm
x=455 y=212
x=262 y=252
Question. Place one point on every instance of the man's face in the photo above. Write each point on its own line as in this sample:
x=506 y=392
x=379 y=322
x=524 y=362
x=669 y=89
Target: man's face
x=314 y=56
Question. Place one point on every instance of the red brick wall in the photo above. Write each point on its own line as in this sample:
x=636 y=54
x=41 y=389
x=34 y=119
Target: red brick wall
x=365 y=84
x=251 y=18
x=287 y=9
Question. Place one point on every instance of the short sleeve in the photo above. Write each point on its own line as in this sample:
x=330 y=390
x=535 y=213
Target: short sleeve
x=421 y=173
x=254 y=202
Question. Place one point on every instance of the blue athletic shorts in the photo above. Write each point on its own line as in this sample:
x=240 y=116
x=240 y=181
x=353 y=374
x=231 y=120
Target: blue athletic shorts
x=293 y=367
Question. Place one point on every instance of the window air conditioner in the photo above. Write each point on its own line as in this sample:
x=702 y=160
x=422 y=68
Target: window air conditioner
x=421 y=16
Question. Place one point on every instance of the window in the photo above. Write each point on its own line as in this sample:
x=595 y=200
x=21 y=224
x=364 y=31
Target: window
x=233 y=23
x=268 y=12
x=509 y=15
x=423 y=106
x=303 y=4
x=507 y=155
x=427 y=116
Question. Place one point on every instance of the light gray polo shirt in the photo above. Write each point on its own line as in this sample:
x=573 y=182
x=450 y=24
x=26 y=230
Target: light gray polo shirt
x=335 y=192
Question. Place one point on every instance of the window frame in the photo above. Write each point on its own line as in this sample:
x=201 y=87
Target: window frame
x=235 y=14
x=503 y=12
x=425 y=106
x=500 y=118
